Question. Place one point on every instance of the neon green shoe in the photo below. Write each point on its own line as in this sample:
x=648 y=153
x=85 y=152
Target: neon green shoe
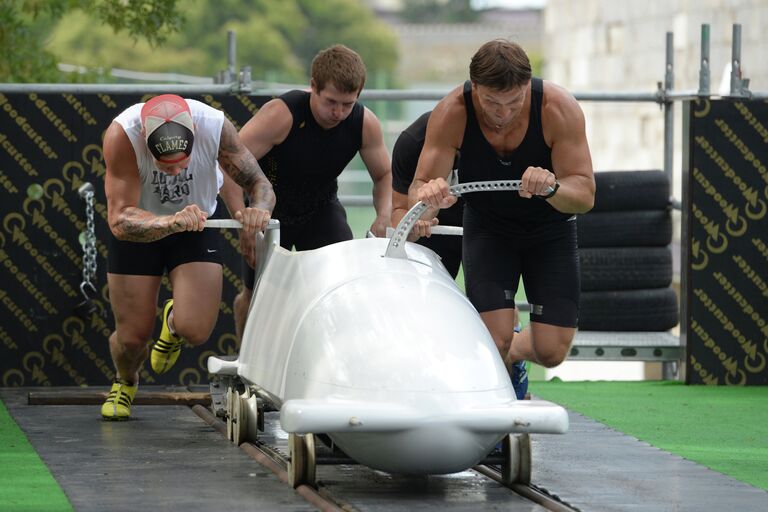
x=167 y=348
x=119 y=400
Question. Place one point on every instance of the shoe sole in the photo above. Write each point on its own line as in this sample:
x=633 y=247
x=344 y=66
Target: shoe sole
x=115 y=418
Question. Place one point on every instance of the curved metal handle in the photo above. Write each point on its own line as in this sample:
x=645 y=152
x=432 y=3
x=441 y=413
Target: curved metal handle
x=396 y=246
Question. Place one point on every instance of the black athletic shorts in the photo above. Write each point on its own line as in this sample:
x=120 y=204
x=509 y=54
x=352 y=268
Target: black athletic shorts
x=328 y=226
x=546 y=258
x=154 y=258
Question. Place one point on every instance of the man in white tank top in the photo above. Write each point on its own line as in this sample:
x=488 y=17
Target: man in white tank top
x=164 y=161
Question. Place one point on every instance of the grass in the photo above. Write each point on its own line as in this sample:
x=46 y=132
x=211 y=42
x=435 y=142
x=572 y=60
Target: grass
x=25 y=482
x=720 y=427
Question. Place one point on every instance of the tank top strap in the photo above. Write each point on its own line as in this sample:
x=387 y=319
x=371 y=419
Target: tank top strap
x=468 y=99
x=537 y=97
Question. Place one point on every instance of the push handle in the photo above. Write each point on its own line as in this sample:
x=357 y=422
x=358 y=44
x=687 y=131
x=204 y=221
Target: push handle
x=396 y=246
x=435 y=230
x=236 y=224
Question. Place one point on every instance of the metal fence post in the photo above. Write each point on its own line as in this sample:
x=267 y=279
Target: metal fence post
x=231 y=55
x=739 y=86
x=669 y=84
x=704 y=66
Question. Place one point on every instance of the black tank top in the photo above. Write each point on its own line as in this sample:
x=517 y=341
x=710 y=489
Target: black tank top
x=506 y=211
x=304 y=167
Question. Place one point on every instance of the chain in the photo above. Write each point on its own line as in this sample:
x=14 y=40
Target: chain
x=89 y=243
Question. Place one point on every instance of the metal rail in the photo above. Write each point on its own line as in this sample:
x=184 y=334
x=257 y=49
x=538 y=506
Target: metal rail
x=321 y=501
x=323 y=498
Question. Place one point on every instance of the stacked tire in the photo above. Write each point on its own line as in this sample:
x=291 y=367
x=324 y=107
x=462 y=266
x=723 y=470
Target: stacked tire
x=624 y=253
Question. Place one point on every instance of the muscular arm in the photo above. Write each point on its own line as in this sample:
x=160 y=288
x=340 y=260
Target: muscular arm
x=445 y=131
x=399 y=207
x=123 y=190
x=564 y=131
x=232 y=195
x=267 y=128
x=376 y=159
x=242 y=167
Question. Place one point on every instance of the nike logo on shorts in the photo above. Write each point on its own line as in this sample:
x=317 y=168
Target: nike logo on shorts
x=211 y=250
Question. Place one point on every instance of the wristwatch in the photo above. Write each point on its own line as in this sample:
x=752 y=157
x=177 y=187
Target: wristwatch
x=553 y=190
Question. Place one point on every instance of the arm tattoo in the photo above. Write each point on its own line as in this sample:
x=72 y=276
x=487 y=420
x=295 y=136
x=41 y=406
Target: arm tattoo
x=137 y=225
x=244 y=169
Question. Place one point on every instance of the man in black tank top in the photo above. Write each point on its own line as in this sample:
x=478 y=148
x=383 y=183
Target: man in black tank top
x=510 y=126
x=303 y=140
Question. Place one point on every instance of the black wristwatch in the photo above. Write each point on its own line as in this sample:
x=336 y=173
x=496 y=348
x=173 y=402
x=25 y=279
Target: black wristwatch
x=554 y=191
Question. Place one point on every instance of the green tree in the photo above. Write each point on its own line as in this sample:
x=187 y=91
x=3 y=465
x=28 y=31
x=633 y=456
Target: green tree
x=438 y=11
x=25 y=25
x=277 y=39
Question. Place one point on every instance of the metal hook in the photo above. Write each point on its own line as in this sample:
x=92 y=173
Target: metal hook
x=87 y=307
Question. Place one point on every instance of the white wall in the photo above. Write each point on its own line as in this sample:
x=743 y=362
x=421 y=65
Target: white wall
x=619 y=45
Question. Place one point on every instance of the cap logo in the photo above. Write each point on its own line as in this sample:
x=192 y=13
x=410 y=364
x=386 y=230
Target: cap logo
x=168 y=127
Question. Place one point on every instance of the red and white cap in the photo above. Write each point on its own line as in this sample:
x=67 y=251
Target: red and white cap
x=168 y=127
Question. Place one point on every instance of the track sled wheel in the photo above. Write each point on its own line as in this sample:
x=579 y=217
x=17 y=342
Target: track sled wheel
x=231 y=397
x=516 y=468
x=301 y=461
x=240 y=420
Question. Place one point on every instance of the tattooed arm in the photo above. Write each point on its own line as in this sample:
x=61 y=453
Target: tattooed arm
x=123 y=189
x=242 y=167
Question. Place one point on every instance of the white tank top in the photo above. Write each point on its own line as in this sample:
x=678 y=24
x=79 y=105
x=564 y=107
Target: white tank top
x=199 y=184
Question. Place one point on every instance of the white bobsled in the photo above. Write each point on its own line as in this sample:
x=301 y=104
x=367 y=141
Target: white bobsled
x=371 y=342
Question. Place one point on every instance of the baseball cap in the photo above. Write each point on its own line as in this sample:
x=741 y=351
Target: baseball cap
x=168 y=127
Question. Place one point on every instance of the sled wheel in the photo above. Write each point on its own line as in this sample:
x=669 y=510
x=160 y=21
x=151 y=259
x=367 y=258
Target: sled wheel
x=516 y=468
x=231 y=397
x=240 y=420
x=301 y=460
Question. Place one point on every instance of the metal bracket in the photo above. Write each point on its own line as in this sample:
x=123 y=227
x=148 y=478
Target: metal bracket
x=396 y=246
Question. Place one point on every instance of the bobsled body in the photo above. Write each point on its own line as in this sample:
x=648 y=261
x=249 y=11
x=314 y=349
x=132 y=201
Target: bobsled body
x=385 y=355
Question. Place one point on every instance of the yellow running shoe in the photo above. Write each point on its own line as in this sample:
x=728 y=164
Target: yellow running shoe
x=118 y=404
x=166 y=349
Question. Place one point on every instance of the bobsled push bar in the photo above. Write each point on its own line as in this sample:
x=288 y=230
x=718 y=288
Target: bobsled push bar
x=236 y=224
x=396 y=247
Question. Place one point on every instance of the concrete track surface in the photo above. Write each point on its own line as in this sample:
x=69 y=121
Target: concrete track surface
x=168 y=458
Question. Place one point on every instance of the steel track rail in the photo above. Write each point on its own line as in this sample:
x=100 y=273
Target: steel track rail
x=531 y=492
x=319 y=498
x=322 y=498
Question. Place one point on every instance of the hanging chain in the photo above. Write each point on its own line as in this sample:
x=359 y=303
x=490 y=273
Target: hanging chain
x=89 y=241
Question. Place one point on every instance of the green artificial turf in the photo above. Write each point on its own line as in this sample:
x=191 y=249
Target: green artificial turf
x=25 y=482
x=722 y=427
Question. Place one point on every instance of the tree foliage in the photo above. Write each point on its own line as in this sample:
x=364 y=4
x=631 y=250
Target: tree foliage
x=278 y=39
x=439 y=11
x=25 y=25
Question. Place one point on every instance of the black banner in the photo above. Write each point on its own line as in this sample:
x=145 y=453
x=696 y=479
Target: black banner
x=728 y=247
x=50 y=145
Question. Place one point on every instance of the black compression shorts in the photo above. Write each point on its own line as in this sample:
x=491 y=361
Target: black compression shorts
x=153 y=258
x=328 y=226
x=547 y=260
